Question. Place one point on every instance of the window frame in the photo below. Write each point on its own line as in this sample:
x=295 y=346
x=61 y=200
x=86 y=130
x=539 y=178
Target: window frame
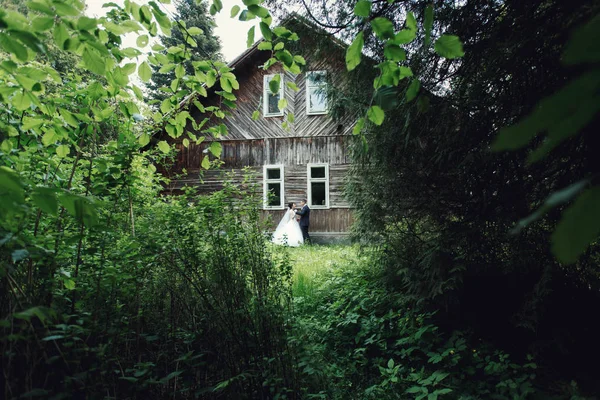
x=310 y=180
x=267 y=91
x=307 y=92
x=266 y=182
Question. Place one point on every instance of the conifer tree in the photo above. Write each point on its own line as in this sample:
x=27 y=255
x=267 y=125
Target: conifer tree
x=188 y=13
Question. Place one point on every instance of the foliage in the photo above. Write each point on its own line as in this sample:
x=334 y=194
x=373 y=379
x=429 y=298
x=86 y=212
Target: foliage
x=563 y=115
x=358 y=340
x=192 y=14
x=441 y=205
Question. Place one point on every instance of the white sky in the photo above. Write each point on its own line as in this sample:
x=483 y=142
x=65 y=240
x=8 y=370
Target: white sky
x=231 y=31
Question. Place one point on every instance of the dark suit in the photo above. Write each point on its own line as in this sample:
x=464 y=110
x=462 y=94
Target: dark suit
x=304 y=214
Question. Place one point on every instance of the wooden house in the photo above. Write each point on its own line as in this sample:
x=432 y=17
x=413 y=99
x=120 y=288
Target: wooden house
x=309 y=157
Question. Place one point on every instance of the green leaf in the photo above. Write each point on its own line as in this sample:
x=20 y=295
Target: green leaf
x=415 y=389
x=258 y=10
x=266 y=31
x=403 y=37
x=234 y=11
x=554 y=200
x=383 y=28
x=69 y=118
x=390 y=363
x=63 y=150
x=360 y=124
x=12 y=46
x=205 y=163
x=282 y=104
x=142 y=41
x=216 y=149
x=274 y=84
x=21 y=101
x=42 y=24
x=411 y=22
x=362 y=8
x=225 y=84
x=64 y=9
x=290 y=117
x=428 y=23
x=61 y=35
x=449 y=46
x=354 y=51
x=69 y=285
x=299 y=60
x=265 y=46
x=49 y=138
x=405 y=72
x=578 y=227
x=45 y=200
x=195 y=31
x=186 y=142
x=413 y=90
x=250 y=40
x=285 y=57
x=86 y=23
x=145 y=72
x=164 y=146
x=394 y=52
x=584 y=46
x=255 y=115
x=144 y=139
x=6 y=146
x=93 y=62
x=292 y=86
x=376 y=115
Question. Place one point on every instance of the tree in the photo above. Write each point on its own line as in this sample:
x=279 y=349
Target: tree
x=189 y=13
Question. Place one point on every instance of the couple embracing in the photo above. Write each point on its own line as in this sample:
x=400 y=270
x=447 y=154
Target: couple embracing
x=289 y=231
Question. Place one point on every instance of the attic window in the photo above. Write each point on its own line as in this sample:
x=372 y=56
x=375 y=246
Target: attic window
x=271 y=100
x=273 y=187
x=316 y=92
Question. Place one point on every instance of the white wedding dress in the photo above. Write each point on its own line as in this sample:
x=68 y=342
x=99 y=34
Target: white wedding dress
x=288 y=231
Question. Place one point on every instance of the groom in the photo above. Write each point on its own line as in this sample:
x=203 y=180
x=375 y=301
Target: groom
x=304 y=214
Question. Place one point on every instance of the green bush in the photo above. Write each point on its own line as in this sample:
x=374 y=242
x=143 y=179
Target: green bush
x=192 y=305
x=357 y=339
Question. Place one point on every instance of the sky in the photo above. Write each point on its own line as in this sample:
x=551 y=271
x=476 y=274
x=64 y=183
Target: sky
x=231 y=31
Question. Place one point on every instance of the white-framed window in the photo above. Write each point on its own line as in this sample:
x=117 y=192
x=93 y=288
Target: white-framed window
x=318 y=185
x=273 y=187
x=271 y=100
x=316 y=93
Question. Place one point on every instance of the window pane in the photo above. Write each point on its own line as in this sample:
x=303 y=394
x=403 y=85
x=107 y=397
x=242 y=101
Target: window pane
x=274 y=173
x=273 y=99
x=317 y=172
x=274 y=192
x=317 y=190
x=316 y=78
x=317 y=99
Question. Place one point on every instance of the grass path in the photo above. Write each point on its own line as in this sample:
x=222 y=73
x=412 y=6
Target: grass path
x=312 y=261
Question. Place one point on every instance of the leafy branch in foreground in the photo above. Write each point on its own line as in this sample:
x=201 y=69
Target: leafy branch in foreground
x=561 y=116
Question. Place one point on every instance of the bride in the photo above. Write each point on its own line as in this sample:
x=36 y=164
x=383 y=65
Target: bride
x=288 y=231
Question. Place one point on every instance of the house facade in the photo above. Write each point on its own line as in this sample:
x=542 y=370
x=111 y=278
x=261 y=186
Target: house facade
x=304 y=157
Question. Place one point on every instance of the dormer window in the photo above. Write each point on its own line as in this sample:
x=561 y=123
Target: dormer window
x=316 y=92
x=271 y=100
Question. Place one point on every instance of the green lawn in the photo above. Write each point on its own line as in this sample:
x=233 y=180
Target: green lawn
x=312 y=261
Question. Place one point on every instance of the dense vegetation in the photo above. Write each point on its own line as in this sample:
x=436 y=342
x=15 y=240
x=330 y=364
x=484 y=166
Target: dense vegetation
x=110 y=290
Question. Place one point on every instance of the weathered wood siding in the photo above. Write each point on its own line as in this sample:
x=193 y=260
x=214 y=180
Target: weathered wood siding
x=338 y=220
x=240 y=125
x=288 y=151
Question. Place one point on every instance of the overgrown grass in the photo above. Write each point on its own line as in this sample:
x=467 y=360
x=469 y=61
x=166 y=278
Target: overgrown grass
x=311 y=262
